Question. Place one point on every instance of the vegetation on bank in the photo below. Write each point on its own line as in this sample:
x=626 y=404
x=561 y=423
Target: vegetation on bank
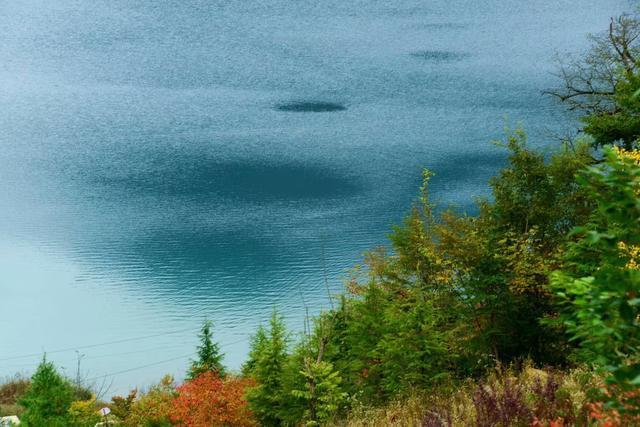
x=524 y=314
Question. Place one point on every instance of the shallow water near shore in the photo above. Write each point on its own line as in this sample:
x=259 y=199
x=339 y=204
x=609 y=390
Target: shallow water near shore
x=163 y=162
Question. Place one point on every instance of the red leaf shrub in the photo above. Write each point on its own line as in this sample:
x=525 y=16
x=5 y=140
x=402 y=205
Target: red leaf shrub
x=628 y=415
x=209 y=400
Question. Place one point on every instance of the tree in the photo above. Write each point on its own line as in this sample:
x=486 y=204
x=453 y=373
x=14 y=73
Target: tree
x=395 y=329
x=258 y=344
x=322 y=393
x=48 y=398
x=209 y=356
x=599 y=289
x=318 y=385
x=622 y=125
x=268 y=399
x=589 y=82
x=516 y=241
x=602 y=85
x=459 y=293
x=209 y=400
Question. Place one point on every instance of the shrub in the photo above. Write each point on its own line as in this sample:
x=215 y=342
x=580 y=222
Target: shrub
x=84 y=413
x=501 y=404
x=13 y=389
x=209 y=400
x=121 y=406
x=598 y=289
x=154 y=407
x=602 y=414
x=507 y=397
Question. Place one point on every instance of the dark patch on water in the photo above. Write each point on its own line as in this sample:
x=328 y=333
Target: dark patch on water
x=443 y=25
x=310 y=107
x=439 y=55
x=196 y=177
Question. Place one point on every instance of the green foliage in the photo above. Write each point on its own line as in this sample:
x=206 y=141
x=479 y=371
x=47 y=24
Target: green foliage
x=622 y=123
x=153 y=409
x=121 y=406
x=83 y=413
x=459 y=292
x=322 y=393
x=517 y=242
x=603 y=83
x=209 y=356
x=257 y=347
x=396 y=330
x=48 y=398
x=599 y=289
x=268 y=399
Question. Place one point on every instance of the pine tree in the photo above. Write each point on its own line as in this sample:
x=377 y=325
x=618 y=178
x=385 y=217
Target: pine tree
x=48 y=398
x=258 y=343
x=209 y=356
x=268 y=399
x=322 y=393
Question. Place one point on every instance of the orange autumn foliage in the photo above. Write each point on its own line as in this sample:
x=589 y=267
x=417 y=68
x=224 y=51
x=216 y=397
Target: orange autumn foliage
x=209 y=400
x=600 y=416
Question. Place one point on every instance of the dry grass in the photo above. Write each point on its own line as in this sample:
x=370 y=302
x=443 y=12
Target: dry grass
x=504 y=398
x=12 y=388
x=13 y=409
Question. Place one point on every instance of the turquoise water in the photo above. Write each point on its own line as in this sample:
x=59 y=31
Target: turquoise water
x=165 y=161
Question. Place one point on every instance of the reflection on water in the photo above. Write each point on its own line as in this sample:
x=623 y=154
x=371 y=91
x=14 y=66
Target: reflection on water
x=152 y=171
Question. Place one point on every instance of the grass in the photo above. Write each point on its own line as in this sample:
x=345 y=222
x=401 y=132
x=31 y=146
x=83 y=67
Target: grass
x=506 y=397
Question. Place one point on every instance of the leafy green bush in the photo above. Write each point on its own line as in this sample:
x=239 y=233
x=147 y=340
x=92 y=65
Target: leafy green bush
x=599 y=290
x=84 y=413
x=153 y=408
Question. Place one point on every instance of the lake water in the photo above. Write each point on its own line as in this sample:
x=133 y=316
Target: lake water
x=165 y=161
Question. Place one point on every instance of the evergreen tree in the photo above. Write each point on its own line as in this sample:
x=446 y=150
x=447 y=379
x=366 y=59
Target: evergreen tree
x=462 y=292
x=321 y=393
x=258 y=343
x=209 y=356
x=317 y=385
x=48 y=398
x=268 y=400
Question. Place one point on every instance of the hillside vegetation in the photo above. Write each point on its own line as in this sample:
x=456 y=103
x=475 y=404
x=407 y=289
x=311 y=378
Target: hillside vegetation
x=526 y=313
